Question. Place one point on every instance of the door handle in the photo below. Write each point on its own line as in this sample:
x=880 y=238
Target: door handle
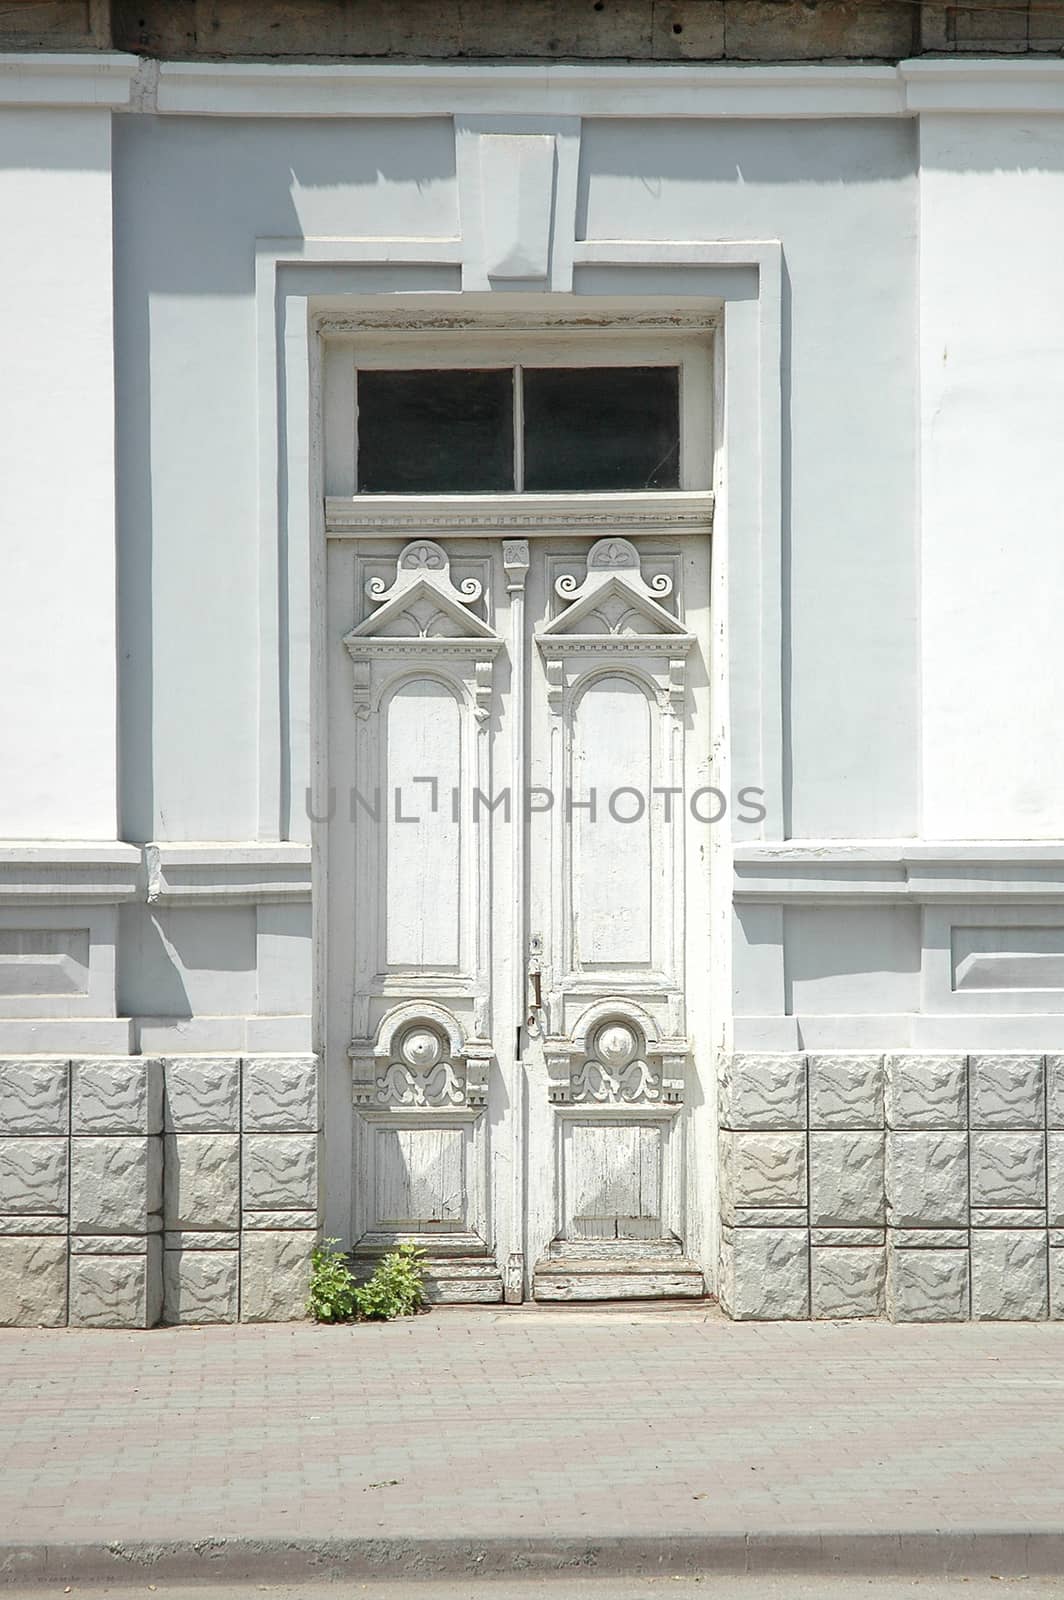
x=536 y=980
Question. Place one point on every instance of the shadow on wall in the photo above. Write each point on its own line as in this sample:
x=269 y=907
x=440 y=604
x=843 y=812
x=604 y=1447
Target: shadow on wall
x=853 y=961
x=186 y=962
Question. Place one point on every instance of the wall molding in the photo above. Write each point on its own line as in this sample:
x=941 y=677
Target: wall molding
x=72 y=873
x=230 y=874
x=113 y=873
x=885 y=871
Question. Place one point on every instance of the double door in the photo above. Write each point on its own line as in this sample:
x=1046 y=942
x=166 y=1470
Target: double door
x=517 y=910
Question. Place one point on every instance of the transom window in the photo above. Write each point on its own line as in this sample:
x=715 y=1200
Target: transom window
x=449 y=430
x=608 y=408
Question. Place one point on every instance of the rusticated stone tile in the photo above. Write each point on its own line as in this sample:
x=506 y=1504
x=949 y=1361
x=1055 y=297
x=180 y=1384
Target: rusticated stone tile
x=201 y=1286
x=765 y=1273
x=845 y=1091
x=1055 y=1091
x=927 y=1180
x=280 y=1219
x=846 y=1179
x=192 y=1239
x=1008 y=1217
x=201 y=1186
x=928 y=1238
x=280 y=1172
x=110 y=1244
x=34 y=1225
x=1006 y=1091
x=275 y=1276
x=769 y=1217
x=1010 y=1275
x=848 y=1283
x=1008 y=1169
x=1055 y=1177
x=928 y=1286
x=34 y=1097
x=202 y=1094
x=117 y=1291
x=926 y=1091
x=762 y=1169
x=116 y=1095
x=763 y=1091
x=857 y=1238
x=1056 y=1284
x=33 y=1282
x=115 y=1185
x=33 y=1176
x=281 y=1094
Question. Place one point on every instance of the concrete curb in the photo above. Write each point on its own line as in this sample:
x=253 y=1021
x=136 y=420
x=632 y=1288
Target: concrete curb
x=926 y=1553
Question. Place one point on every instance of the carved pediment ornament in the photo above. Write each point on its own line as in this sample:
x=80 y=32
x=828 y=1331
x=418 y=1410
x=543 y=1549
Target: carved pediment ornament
x=613 y=611
x=423 y=613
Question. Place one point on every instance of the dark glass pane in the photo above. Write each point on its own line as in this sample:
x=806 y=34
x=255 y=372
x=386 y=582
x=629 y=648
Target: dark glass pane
x=602 y=428
x=438 y=432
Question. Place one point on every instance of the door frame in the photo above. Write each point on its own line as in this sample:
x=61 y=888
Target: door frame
x=633 y=339
x=294 y=318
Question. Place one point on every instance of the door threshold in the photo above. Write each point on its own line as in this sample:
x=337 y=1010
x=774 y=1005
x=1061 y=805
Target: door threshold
x=695 y=1310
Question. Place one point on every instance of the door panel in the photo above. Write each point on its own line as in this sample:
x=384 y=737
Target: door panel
x=612 y=1180
x=547 y=1133
x=420 y=1178
x=422 y=885
x=611 y=736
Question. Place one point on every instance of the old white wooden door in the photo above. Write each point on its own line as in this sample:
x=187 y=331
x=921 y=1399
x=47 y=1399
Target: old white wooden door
x=517 y=940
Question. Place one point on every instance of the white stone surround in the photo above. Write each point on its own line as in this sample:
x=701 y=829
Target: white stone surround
x=926 y=1188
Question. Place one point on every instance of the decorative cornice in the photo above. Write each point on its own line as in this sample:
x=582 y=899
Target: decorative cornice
x=83 y=79
x=295 y=89
x=533 y=516
x=987 y=86
x=588 y=89
x=610 y=644
x=844 y=89
x=433 y=645
x=837 y=871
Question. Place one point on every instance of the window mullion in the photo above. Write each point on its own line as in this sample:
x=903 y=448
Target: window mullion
x=519 y=429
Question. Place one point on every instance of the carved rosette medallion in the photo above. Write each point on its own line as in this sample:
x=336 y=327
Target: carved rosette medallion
x=616 y=1065
x=422 y=1062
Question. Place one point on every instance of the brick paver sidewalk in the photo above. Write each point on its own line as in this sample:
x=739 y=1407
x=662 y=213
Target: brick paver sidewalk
x=484 y=1424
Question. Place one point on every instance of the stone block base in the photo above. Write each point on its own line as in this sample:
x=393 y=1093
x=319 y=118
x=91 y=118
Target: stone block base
x=33 y=1282
x=933 y=1185
x=764 y=1273
x=117 y=1290
x=107 y=1222
x=201 y=1286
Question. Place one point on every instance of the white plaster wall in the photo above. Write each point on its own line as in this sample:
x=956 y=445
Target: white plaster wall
x=57 y=597
x=192 y=196
x=841 y=196
x=992 y=386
